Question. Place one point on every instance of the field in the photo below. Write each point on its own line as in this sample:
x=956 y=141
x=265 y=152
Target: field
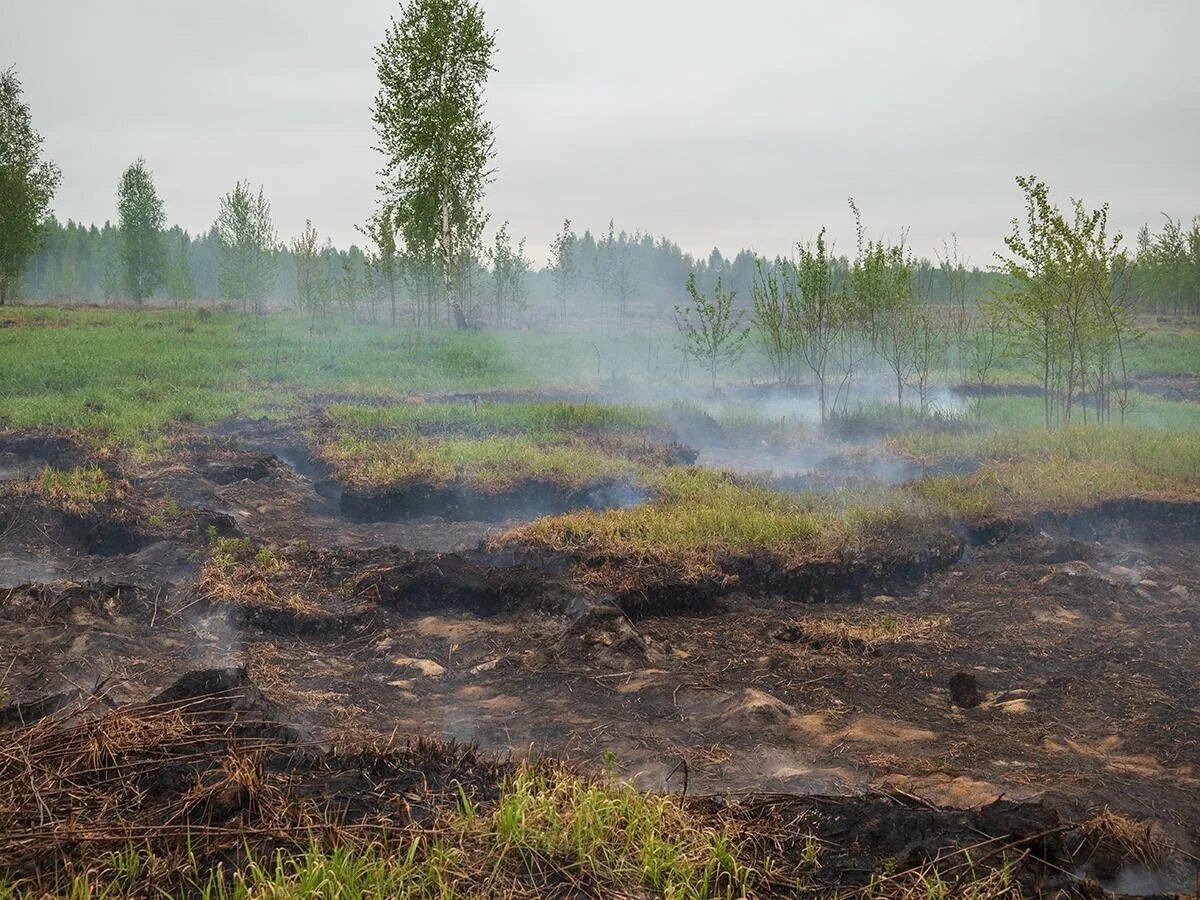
x=502 y=613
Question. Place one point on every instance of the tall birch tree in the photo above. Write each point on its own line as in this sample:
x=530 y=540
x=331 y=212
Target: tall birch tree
x=429 y=117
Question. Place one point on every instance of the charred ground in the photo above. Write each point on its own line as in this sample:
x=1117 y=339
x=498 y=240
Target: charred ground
x=796 y=684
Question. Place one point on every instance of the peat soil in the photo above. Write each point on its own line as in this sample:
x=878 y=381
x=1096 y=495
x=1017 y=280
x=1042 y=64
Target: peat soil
x=1053 y=663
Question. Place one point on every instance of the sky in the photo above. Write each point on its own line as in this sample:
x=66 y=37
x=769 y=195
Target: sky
x=714 y=123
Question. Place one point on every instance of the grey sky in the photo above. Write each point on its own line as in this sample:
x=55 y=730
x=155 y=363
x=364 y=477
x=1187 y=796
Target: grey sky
x=734 y=124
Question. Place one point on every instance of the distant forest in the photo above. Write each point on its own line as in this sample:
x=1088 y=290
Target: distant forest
x=630 y=274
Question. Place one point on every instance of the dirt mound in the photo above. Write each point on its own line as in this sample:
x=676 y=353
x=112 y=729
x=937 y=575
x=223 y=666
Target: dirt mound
x=600 y=633
x=232 y=467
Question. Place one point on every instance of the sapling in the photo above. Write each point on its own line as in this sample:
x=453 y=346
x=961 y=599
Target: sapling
x=712 y=329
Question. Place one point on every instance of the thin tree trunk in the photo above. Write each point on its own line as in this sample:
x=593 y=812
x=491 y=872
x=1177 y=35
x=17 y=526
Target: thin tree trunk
x=455 y=302
x=391 y=277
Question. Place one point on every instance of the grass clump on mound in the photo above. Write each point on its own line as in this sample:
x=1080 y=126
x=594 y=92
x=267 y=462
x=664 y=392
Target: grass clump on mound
x=492 y=464
x=1030 y=470
x=79 y=487
x=705 y=512
x=524 y=417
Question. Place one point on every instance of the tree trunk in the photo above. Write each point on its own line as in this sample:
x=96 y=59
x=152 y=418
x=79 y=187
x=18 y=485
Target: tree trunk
x=392 y=293
x=455 y=302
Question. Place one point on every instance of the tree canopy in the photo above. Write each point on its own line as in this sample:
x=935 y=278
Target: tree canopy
x=27 y=184
x=141 y=217
x=429 y=116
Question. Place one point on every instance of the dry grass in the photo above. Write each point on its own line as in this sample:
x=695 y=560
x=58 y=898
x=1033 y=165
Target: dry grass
x=239 y=574
x=863 y=636
x=1111 y=841
x=198 y=797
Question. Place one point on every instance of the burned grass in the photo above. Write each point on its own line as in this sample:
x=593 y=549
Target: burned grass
x=864 y=634
x=202 y=790
x=711 y=526
x=90 y=510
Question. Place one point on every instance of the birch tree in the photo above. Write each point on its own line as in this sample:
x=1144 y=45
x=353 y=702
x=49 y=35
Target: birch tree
x=27 y=184
x=429 y=117
x=141 y=217
x=563 y=264
x=247 y=243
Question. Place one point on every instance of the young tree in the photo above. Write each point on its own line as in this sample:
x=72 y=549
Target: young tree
x=924 y=338
x=775 y=316
x=27 y=184
x=312 y=287
x=959 y=316
x=247 y=244
x=983 y=346
x=348 y=283
x=1068 y=307
x=563 y=264
x=623 y=285
x=818 y=315
x=604 y=263
x=383 y=257
x=896 y=315
x=712 y=329
x=181 y=283
x=429 y=117
x=509 y=268
x=141 y=217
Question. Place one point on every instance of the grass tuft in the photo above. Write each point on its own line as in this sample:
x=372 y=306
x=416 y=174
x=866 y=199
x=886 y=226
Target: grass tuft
x=75 y=488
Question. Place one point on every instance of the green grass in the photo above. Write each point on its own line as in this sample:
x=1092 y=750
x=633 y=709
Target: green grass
x=80 y=486
x=1144 y=410
x=697 y=510
x=130 y=377
x=496 y=464
x=524 y=417
x=1162 y=350
x=1031 y=468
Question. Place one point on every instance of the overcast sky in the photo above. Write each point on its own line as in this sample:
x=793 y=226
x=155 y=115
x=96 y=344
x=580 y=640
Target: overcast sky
x=740 y=124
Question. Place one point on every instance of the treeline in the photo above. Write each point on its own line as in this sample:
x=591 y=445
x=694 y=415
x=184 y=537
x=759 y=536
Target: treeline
x=615 y=276
x=84 y=263
x=1167 y=276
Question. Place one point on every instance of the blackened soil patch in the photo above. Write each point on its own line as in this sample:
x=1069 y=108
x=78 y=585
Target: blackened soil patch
x=437 y=582
x=24 y=452
x=1183 y=387
x=39 y=601
x=461 y=503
